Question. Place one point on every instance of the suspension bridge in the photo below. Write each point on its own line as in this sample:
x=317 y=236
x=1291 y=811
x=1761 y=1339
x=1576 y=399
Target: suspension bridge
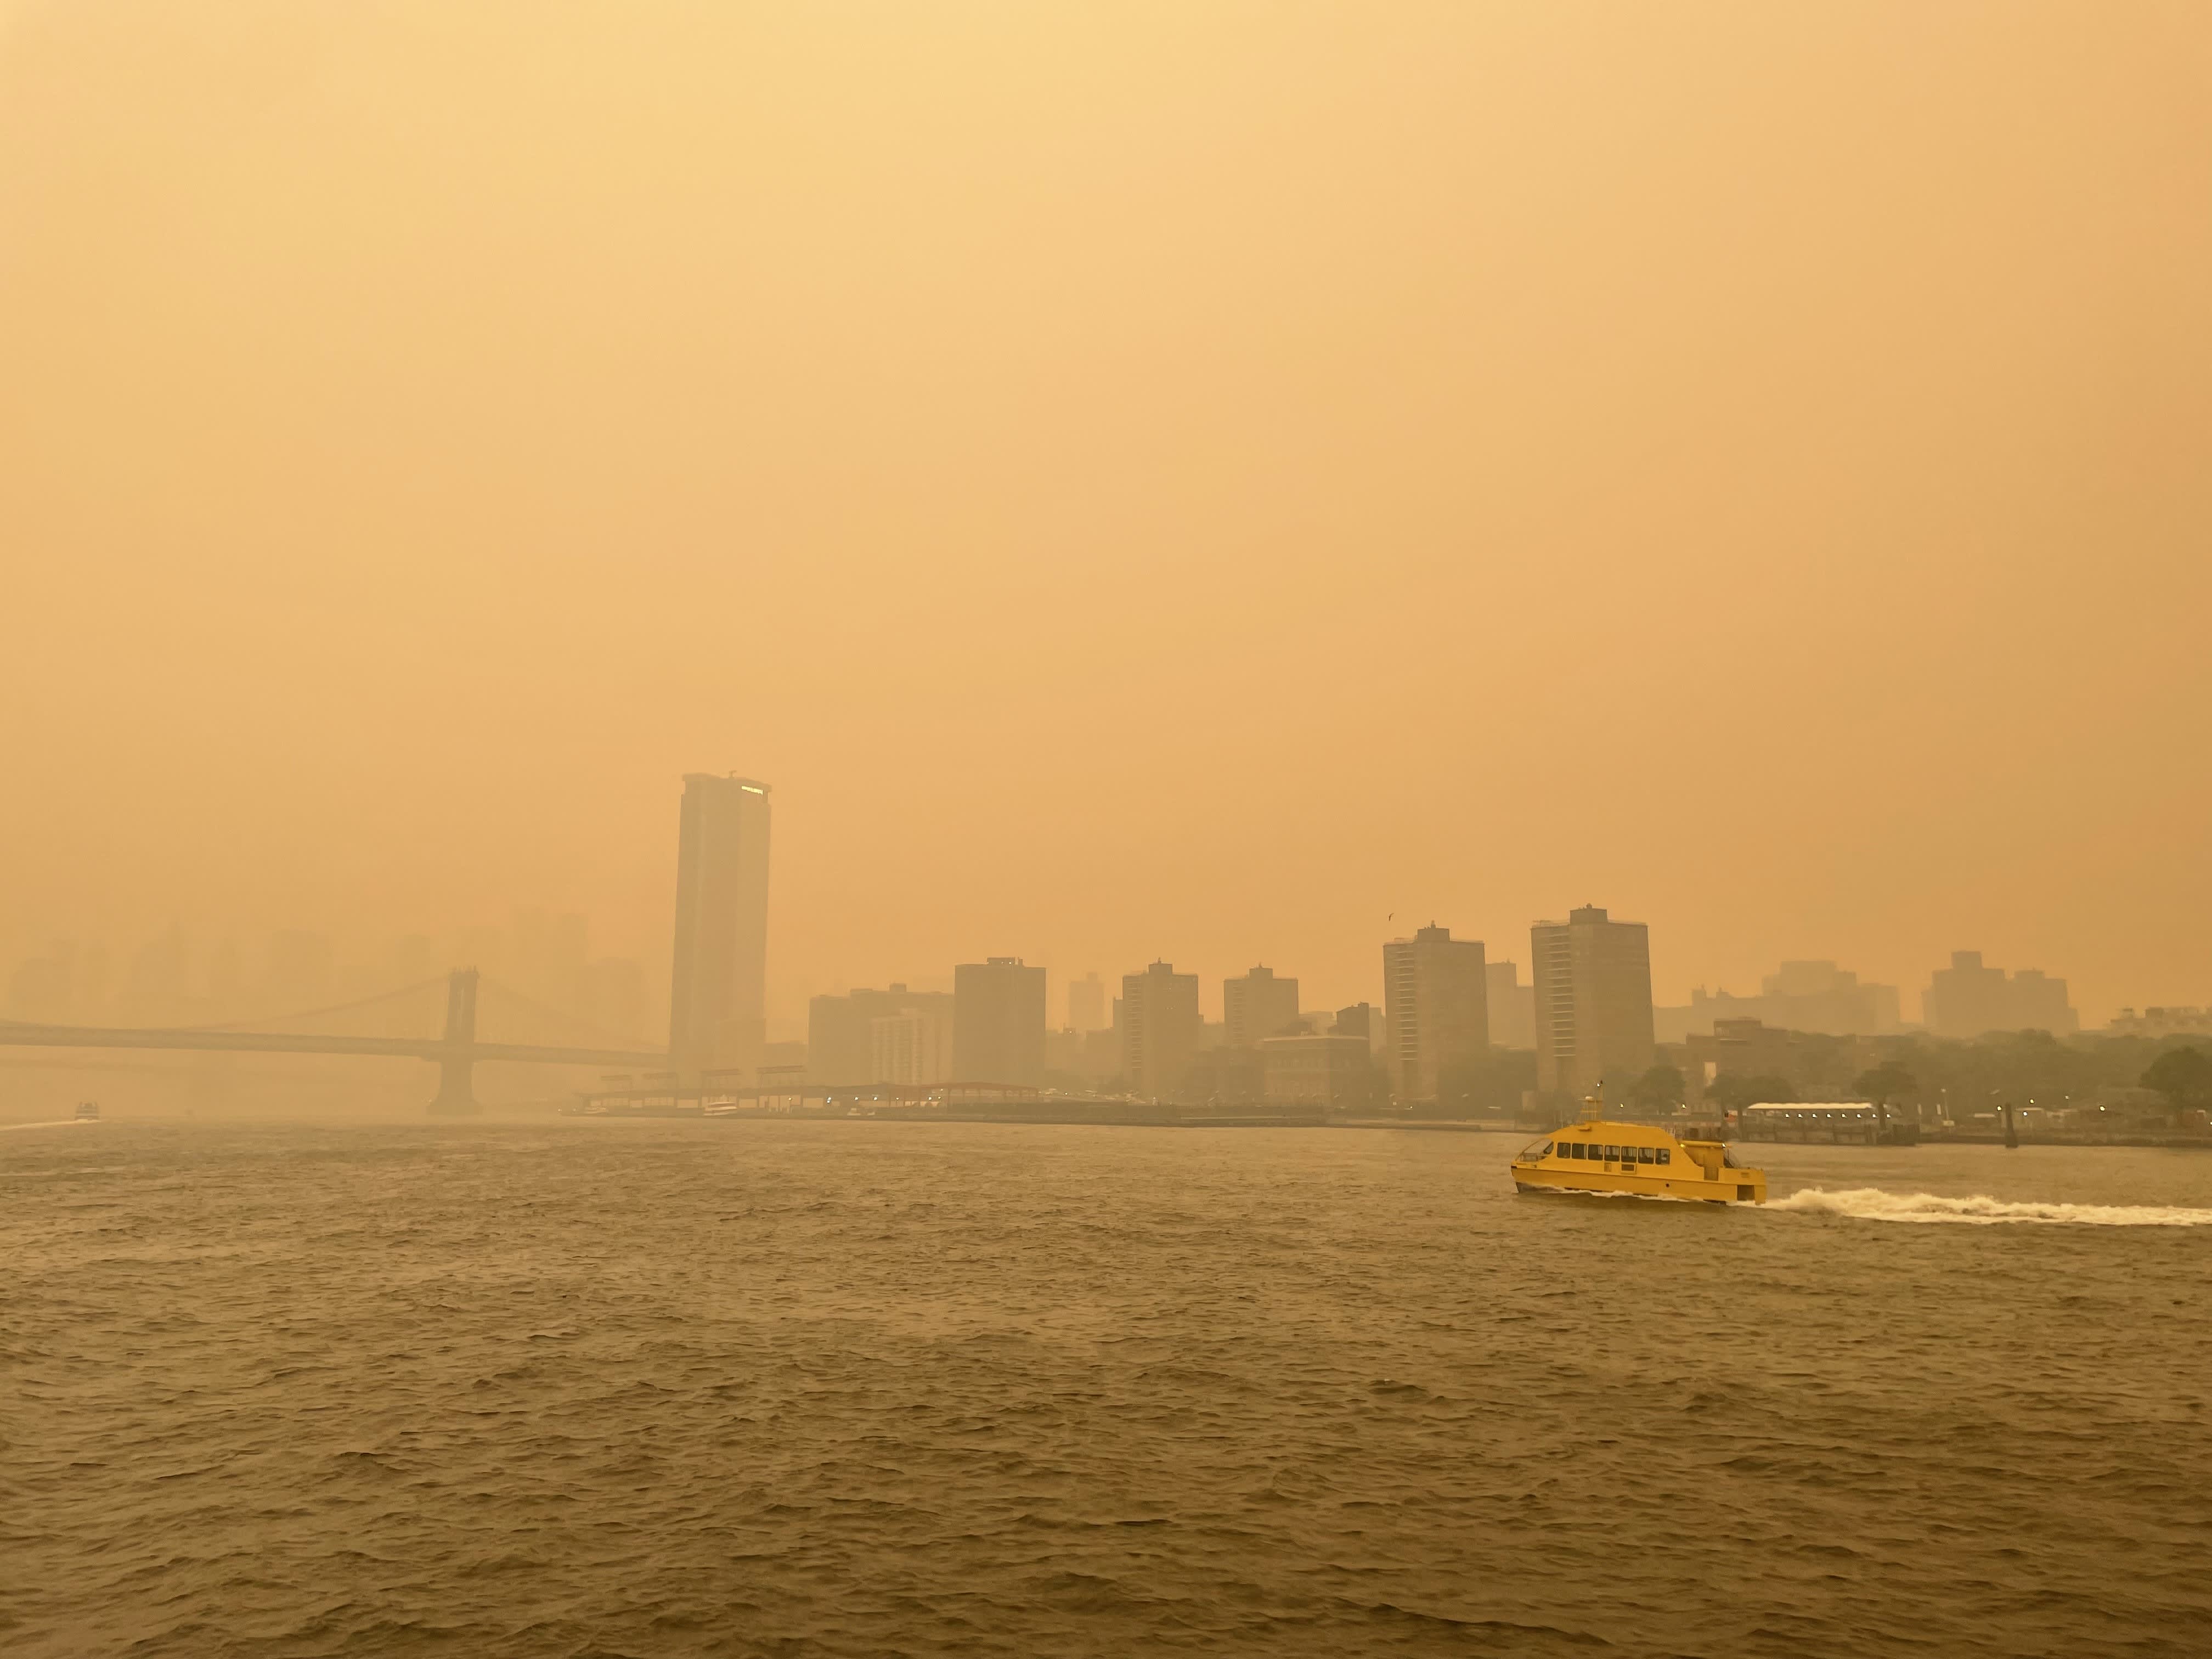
x=457 y=1050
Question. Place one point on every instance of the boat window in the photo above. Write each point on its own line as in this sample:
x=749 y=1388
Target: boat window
x=1573 y=1149
x=1612 y=1154
x=1642 y=1154
x=1666 y=1154
x=1534 y=1149
x=1728 y=1159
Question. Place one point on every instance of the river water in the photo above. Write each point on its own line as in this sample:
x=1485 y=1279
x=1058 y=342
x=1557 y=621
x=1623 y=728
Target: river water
x=667 y=1388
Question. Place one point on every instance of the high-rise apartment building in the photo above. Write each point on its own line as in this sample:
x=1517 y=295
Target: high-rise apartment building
x=998 y=1023
x=907 y=1047
x=1258 y=1005
x=1086 y=1003
x=844 y=1045
x=2177 y=1021
x=1512 y=1007
x=1160 y=1030
x=718 y=992
x=1434 y=1007
x=1967 y=999
x=1593 y=985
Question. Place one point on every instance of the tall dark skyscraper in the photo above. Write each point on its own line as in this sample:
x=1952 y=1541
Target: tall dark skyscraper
x=717 y=1014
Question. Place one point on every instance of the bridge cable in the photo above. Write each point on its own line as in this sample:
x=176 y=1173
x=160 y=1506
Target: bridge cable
x=310 y=1013
x=573 y=1021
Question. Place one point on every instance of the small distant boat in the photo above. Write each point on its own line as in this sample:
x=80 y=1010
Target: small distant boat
x=1595 y=1155
x=88 y=1111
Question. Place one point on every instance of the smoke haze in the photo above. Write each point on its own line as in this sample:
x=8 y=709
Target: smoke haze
x=1140 y=480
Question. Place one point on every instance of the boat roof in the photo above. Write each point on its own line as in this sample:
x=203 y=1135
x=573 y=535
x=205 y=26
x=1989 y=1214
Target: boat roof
x=1592 y=1125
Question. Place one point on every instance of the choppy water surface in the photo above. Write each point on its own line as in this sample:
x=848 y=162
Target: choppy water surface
x=653 y=1389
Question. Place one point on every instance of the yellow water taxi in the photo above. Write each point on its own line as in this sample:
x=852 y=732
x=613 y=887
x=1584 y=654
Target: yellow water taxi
x=1594 y=1156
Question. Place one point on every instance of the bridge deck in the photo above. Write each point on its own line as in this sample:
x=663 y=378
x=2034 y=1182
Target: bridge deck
x=17 y=1035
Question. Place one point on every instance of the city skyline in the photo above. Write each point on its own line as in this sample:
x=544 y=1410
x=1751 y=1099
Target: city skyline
x=173 y=978
x=719 y=1015
x=1334 y=976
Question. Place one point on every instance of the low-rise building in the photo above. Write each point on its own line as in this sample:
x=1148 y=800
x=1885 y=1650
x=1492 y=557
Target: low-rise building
x=1832 y=1122
x=1333 y=1072
x=1751 y=1048
x=1063 y=1055
x=1102 y=1053
x=2162 y=1022
x=1223 y=1076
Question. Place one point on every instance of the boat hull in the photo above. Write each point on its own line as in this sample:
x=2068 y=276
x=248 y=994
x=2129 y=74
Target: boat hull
x=1642 y=1185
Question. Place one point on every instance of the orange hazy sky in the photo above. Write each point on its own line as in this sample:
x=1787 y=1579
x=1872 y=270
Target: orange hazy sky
x=1185 y=480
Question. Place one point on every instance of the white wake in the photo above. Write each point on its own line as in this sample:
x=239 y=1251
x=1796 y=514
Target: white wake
x=1872 y=1204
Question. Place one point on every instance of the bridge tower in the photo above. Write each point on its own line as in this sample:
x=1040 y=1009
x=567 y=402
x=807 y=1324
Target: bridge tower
x=457 y=1096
